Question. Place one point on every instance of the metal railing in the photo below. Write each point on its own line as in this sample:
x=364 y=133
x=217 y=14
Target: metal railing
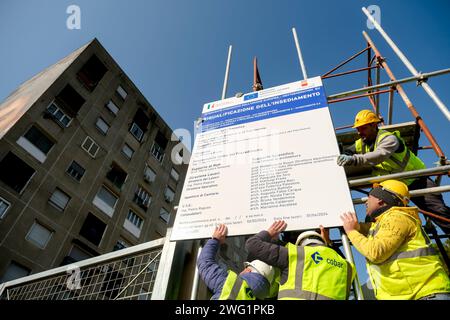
x=127 y=274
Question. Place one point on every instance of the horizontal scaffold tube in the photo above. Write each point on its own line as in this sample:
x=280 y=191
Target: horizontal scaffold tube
x=413 y=193
x=401 y=175
x=421 y=77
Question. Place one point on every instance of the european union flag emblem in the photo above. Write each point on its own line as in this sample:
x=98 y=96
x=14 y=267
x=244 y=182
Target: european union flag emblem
x=251 y=96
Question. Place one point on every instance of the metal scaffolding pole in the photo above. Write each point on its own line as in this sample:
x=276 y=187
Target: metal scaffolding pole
x=299 y=52
x=401 y=175
x=391 y=106
x=225 y=81
x=349 y=256
x=408 y=64
x=420 y=77
x=194 y=290
x=377 y=97
x=408 y=103
x=413 y=193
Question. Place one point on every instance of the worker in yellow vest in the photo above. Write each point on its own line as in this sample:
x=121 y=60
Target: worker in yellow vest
x=401 y=260
x=387 y=153
x=252 y=283
x=310 y=270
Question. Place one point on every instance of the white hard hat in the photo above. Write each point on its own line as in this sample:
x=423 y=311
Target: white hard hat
x=262 y=268
x=309 y=237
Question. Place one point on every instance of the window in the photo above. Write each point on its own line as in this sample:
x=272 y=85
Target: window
x=159 y=146
x=36 y=143
x=139 y=124
x=174 y=174
x=127 y=151
x=93 y=229
x=163 y=214
x=90 y=146
x=112 y=107
x=102 y=125
x=121 y=244
x=39 y=235
x=149 y=174
x=14 y=172
x=4 y=206
x=91 y=73
x=76 y=171
x=136 y=131
x=78 y=254
x=169 y=195
x=59 y=199
x=157 y=152
x=142 y=198
x=57 y=114
x=133 y=223
x=15 y=271
x=69 y=100
x=106 y=201
x=122 y=93
x=116 y=175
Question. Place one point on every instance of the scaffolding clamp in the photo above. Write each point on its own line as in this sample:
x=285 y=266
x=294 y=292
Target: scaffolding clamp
x=421 y=79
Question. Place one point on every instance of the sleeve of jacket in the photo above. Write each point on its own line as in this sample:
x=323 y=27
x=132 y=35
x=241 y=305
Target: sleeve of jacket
x=209 y=270
x=386 y=147
x=260 y=247
x=351 y=150
x=393 y=232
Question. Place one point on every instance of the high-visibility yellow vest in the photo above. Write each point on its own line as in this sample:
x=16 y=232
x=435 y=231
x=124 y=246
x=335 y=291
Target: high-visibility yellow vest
x=414 y=271
x=236 y=288
x=398 y=162
x=316 y=273
x=275 y=285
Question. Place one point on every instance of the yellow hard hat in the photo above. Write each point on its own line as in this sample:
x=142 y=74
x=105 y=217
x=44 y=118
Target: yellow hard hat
x=365 y=117
x=398 y=188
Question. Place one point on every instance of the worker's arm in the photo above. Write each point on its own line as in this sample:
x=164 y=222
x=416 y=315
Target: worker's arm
x=260 y=247
x=364 y=228
x=394 y=230
x=209 y=270
x=386 y=147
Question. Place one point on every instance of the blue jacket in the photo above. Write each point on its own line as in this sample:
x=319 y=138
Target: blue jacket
x=214 y=275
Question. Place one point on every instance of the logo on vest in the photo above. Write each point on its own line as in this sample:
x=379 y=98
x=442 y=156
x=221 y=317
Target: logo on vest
x=316 y=257
x=249 y=293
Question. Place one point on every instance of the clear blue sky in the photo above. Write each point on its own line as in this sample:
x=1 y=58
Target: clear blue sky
x=176 y=51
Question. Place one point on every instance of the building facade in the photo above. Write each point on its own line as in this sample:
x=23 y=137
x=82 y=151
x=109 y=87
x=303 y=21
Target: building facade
x=86 y=166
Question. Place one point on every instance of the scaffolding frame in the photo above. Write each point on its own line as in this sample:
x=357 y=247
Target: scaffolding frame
x=372 y=92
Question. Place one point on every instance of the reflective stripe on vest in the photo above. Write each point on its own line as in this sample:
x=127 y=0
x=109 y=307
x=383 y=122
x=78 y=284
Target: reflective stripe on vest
x=397 y=162
x=235 y=288
x=327 y=279
x=413 y=271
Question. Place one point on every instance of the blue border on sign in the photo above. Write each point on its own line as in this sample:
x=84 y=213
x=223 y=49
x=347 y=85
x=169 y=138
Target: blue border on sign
x=289 y=103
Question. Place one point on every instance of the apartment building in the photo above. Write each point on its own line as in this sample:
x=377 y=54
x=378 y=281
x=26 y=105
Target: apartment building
x=86 y=166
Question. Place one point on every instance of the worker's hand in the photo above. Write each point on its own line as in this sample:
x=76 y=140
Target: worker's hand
x=345 y=160
x=276 y=227
x=220 y=233
x=325 y=233
x=350 y=222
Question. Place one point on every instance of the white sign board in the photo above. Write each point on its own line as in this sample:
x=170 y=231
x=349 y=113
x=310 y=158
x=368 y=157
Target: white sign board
x=266 y=156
